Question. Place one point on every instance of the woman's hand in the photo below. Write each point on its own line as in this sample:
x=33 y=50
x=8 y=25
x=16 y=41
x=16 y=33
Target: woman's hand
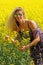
x=22 y=48
x=7 y=37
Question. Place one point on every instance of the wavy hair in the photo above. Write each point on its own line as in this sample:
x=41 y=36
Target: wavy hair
x=12 y=23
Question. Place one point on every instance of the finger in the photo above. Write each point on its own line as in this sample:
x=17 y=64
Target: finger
x=21 y=49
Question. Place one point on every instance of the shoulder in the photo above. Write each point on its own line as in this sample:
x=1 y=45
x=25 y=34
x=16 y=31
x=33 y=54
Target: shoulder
x=31 y=21
x=32 y=24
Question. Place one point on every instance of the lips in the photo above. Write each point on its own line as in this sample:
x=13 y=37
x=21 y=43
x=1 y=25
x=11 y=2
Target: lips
x=18 y=18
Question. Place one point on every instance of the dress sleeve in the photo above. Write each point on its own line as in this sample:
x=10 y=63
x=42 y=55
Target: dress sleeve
x=36 y=33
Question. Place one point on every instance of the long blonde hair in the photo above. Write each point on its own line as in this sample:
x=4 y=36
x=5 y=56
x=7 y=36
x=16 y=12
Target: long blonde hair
x=12 y=23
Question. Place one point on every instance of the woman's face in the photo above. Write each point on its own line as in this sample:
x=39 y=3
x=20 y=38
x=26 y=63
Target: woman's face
x=19 y=16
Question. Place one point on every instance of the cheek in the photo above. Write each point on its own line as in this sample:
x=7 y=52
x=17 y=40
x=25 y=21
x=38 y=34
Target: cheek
x=21 y=17
x=18 y=18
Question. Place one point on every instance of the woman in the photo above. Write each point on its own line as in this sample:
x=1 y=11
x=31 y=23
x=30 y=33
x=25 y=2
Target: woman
x=19 y=22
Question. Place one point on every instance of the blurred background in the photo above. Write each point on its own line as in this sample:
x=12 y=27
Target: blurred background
x=9 y=53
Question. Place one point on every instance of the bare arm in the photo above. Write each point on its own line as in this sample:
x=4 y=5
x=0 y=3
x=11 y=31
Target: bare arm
x=33 y=26
x=34 y=42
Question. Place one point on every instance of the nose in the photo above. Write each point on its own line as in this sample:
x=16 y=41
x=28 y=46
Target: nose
x=18 y=17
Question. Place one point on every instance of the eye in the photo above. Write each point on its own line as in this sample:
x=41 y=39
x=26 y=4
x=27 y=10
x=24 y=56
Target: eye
x=20 y=14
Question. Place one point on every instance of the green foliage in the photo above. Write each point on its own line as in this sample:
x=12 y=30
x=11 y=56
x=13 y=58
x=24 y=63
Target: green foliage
x=10 y=53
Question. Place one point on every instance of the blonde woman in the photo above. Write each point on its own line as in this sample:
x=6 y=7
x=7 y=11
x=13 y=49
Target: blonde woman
x=18 y=22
